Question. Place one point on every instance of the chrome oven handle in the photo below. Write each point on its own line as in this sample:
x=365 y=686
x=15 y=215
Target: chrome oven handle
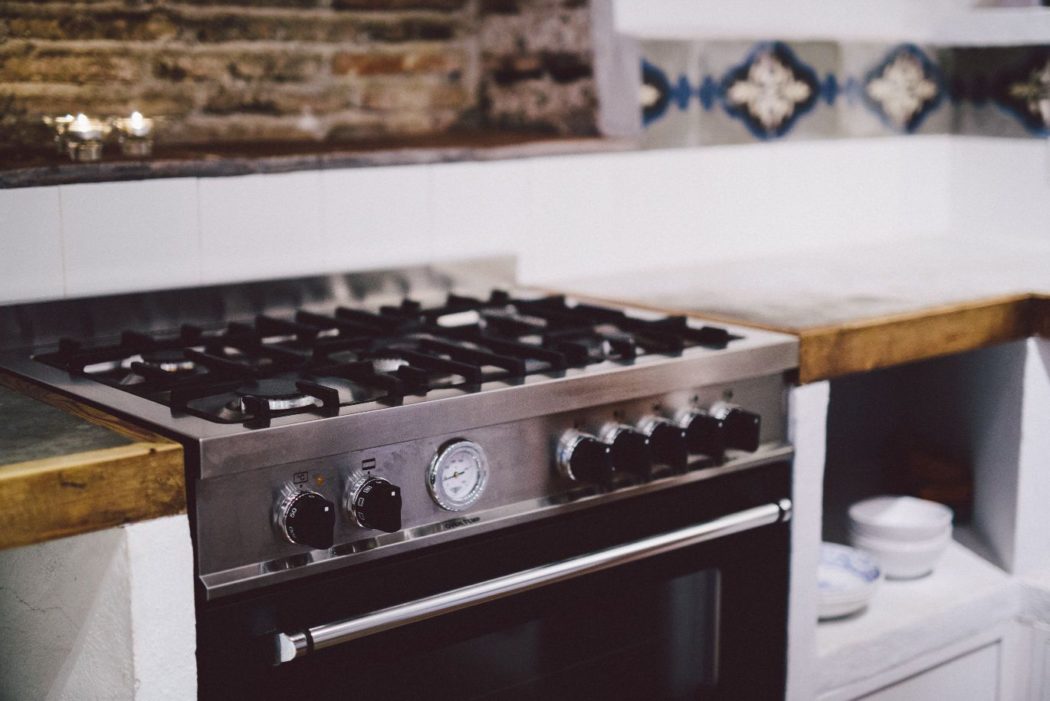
x=291 y=646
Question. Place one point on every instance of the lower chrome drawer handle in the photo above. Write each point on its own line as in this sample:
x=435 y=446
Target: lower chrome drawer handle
x=291 y=646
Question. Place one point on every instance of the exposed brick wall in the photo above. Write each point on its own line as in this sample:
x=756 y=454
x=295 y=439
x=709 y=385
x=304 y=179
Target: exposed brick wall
x=298 y=69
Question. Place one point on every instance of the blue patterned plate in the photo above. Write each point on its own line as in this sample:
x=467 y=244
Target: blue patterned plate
x=846 y=580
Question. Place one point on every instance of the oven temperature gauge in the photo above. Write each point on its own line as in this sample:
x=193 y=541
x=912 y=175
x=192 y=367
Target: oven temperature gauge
x=457 y=475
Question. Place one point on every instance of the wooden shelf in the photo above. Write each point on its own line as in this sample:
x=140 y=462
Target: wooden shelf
x=45 y=167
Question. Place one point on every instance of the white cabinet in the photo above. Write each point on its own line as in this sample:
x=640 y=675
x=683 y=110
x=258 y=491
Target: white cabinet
x=973 y=676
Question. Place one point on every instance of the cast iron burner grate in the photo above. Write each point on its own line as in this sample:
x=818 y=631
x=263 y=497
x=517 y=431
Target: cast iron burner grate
x=314 y=362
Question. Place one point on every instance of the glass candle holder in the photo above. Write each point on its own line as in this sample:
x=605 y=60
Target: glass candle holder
x=135 y=134
x=82 y=138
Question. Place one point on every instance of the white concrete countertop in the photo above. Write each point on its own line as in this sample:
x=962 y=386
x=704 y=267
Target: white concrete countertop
x=832 y=286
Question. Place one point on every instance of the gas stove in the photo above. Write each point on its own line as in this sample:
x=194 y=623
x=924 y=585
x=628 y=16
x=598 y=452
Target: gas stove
x=343 y=419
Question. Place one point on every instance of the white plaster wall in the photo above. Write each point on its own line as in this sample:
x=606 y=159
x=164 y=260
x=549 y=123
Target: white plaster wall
x=807 y=413
x=953 y=22
x=163 y=628
x=1000 y=188
x=105 y=615
x=563 y=216
x=65 y=623
x=1032 y=544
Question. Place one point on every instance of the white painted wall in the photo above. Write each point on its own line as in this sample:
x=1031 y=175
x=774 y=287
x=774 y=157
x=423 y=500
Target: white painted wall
x=950 y=22
x=105 y=615
x=563 y=216
x=1000 y=188
x=807 y=430
x=1032 y=542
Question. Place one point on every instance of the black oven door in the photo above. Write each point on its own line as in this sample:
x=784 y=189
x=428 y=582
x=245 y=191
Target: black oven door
x=679 y=593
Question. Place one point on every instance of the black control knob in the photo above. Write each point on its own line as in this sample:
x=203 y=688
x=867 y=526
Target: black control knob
x=628 y=450
x=307 y=518
x=742 y=428
x=583 y=458
x=704 y=433
x=377 y=504
x=667 y=442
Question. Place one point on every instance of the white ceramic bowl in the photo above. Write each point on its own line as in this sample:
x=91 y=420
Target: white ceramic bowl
x=846 y=580
x=900 y=518
x=904 y=560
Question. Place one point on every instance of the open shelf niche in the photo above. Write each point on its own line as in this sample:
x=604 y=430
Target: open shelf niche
x=948 y=428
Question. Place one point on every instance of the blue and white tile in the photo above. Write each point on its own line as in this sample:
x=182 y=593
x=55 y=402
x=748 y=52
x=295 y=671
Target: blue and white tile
x=771 y=90
x=130 y=236
x=262 y=226
x=376 y=217
x=893 y=89
x=479 y=208
x=30 y=244
x=670 y=77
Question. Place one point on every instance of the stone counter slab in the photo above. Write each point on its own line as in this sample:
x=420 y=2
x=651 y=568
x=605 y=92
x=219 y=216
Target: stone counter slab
x=33 y=430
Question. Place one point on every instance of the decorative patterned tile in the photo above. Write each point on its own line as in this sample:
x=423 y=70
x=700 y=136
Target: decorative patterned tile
x=715 y=92
x=892 y=89
x=670 y=115
x=995 y=90
x=770 y=90
x=1022 y=88
x=732 y=92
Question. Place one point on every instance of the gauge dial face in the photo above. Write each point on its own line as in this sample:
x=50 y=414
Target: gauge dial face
x=457 y=475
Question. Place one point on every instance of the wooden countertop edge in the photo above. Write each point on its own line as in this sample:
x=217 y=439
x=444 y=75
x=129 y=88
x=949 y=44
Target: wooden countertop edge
x=90 y=490
x=881 y=342
x=71 y=494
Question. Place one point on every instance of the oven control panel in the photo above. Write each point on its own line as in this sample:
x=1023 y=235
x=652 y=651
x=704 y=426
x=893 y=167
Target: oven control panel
x=381 y=499
x=656 y=441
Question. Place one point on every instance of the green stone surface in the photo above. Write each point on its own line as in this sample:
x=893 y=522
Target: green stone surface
x=32 y=430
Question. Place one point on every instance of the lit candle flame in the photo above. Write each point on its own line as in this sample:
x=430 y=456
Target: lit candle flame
x=81 y=122
x=136 y=120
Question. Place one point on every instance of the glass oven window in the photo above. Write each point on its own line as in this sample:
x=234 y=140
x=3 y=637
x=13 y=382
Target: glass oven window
x=623 y=635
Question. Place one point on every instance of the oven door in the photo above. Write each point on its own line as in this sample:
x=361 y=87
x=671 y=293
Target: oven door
x=679 y=593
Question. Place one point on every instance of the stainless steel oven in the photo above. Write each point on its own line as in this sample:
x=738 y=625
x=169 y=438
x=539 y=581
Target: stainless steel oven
x=672 y=591
x=428 y=483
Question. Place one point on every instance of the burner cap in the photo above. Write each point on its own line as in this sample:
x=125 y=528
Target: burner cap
x=168 y=360
x=388 y=364
x=281 y=395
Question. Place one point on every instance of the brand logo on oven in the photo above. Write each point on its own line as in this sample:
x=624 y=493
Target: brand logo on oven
x=458 y=522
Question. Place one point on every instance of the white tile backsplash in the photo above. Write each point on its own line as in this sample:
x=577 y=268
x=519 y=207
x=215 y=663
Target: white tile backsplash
x=376 y=217
x=479 y=208
x=30 y=244
x=120 y=237
x=563 y=216
x=572 y=217
x=260 y=226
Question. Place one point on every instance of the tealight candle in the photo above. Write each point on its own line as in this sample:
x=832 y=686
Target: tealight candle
x=136 y=134
x=83 y=138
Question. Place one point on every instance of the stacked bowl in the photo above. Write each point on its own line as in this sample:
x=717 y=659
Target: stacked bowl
x=907 y=535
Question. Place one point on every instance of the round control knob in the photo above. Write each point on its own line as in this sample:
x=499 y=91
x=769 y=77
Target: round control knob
x=628 y=450
x=375 y=503
x=704 y=434
x=666 y=441
x=584 y=458
x=307 y=518
x=742 y=428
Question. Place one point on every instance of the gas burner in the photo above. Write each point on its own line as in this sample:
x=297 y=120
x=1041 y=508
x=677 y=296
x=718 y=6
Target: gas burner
x=315 y=362
x=171 y=360
x=279 y=395
x=388 y=364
